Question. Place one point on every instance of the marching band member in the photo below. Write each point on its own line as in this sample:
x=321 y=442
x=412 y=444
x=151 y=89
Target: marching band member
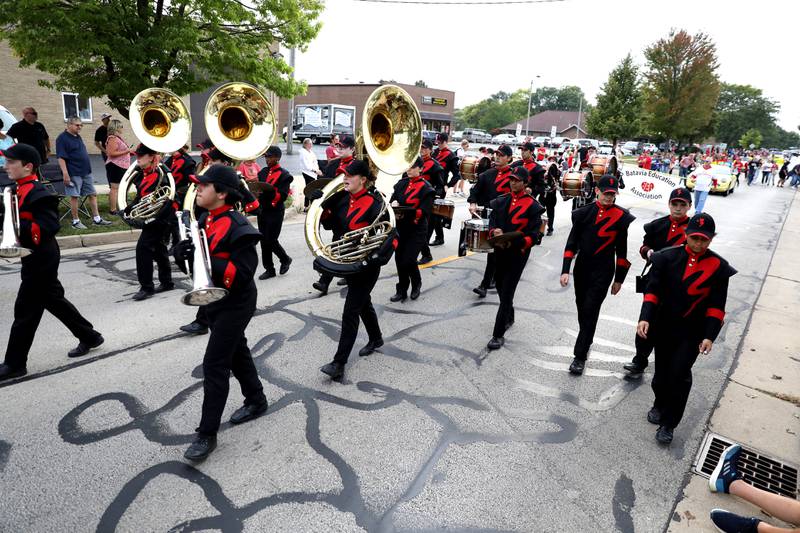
x=336 y=167
x=354 y=208
x=549 y=195
x=412 y=233
x=181 y=166
x=270 y=220
x=491 y=184
x=536 y=172
x=40 y=288
x=663 y=232
x=599 y=237
x=682 y=313
x=516 y=211
x=433 y=173
x=232 y=250
x=151 y=245
x=449 y=163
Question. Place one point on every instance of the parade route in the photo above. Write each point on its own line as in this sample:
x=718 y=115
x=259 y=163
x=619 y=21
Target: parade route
x=431 y=433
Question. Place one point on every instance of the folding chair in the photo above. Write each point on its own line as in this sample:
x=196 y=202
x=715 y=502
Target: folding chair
x=54 y=181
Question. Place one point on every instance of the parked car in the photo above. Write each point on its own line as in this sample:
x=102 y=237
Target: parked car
x=568 y=145
x=724 y=181
x=7 y=118
x=587 y=142
x=522 y=139
x=556 y=142
x=541 y=141
x=475 y=135
x=650 y=147
x=429 y=135
x=504 y=138
x=605 y=148
x=631 y=148
x=456 y=136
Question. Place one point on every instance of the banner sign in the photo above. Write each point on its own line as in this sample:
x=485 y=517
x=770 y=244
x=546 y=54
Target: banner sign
x=432 y=100
x=648 y=184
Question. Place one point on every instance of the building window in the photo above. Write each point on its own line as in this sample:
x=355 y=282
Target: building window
x=76 y=105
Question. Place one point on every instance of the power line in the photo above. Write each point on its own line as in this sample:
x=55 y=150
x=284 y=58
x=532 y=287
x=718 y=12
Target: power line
x=460 y=3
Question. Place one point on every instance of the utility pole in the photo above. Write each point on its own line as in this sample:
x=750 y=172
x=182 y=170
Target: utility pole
x=580 y=109
x=528 y=118
x=290 y=108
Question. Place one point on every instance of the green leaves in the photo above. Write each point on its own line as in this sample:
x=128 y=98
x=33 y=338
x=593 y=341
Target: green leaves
x=751 y=137
x=619 y=104
x=116 y=48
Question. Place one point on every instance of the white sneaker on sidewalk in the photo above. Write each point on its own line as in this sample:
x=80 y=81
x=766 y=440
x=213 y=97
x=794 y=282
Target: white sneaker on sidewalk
x=78 y=225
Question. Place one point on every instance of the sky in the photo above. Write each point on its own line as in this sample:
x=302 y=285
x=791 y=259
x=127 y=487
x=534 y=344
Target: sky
x=479 y=50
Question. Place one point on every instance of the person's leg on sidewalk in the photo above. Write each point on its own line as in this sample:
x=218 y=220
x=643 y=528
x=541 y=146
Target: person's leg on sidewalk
x=780 y=507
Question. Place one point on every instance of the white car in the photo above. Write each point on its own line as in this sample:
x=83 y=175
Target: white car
x=556 y=142
x=456 y=136
x=650 y=147
x=605 y=149
x=7 y=118
x=504 y=138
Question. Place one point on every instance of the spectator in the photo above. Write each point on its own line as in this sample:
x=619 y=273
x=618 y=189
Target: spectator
x=249 y=170
x=73 y=159
x=119 y=159
x=686 y=165
x=766 y=170
x=702 y=185
x=332 y=151
x=101 y=134
x=645 y=161
x=752 y=168
x=309 y=166
x=462 y=152
x=30 y=131
x=782 y=173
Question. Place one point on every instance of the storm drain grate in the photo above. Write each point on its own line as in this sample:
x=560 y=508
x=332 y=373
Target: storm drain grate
x=756 y=468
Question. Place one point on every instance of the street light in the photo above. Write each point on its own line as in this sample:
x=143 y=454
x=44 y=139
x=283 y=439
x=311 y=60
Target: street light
x=530 y=97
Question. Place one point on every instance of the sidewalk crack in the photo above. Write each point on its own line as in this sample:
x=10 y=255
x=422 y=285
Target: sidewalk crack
x=778 y=395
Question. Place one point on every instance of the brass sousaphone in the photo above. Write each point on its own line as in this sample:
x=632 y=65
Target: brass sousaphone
x=391 y=135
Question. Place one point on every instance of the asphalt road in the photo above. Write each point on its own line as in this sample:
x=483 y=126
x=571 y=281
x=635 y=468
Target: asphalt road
x=433 y=433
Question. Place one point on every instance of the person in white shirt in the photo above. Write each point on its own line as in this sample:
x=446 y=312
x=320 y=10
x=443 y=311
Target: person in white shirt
x=309 y=166
x=462 y=152
x=766 y=171
x=704 y=178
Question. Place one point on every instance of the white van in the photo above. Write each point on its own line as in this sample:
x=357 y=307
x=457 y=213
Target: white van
x=7 y=118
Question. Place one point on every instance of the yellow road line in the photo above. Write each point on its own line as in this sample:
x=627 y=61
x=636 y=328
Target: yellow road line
x=444 y=260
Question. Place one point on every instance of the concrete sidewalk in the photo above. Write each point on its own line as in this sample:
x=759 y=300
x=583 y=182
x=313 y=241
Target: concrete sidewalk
x=760 y=405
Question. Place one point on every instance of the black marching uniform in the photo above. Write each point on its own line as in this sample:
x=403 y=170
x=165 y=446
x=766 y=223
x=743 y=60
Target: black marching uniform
x=491 y=184
x=333 y=168
x=151 y=245
x=448 y=161
x=412 y=230
x=182 y=166
x=536 y=173
x=232 y=249
x=433 y=173
x=684 y=303
x=345 y=212
x=599 y=238
x=549 y=196
x=40 y=288
x=512 y=212
x=270 y=220
x=661 y=233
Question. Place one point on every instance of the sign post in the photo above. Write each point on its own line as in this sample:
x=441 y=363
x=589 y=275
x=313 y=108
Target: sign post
x=519 y=129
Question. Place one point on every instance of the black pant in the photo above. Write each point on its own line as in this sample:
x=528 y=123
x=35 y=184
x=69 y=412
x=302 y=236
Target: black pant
x=643 y=349
x=151 y=247
x=227 y=352
x=358 y=304
x=489 y=271
x=591 y=287
x=549 y=200
x=201 y=317
x=672 y=380
x=510 y=264
x=270 y=223
x=308 y=179
x=410 y=239
x=40 y=290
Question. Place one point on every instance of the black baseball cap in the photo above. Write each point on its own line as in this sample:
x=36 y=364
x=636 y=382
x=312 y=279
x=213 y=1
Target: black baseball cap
x=22 y=152
x=274 y=151
x=702 y=224
x=426 y=143
x=519 y=173
x=217 y=173
x=358 y=168
x=528 y=146
x=348 y=141
x=143 y=149
x=505 y=150
x=442 y=137
x=608 y=182
x=216 y=155
x=681 y=193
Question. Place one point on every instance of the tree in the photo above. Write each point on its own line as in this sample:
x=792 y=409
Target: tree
x=681 y=86
x=568 y=98
x=740 y=108
x=751 y=137
x=420 y=83
x=619 y=104
x=116 y=48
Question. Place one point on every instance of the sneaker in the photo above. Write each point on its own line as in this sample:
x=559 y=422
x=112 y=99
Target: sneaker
x=78 y=225
x=102 y=222
x=728 y=522
x=726 y=473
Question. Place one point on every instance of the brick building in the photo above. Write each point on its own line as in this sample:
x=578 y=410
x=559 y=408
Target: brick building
x=542 y=124
x=435 y=105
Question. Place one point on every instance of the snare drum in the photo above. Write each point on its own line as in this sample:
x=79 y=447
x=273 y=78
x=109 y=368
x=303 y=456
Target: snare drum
x=469 y=168
x=476 y=236
x=444 y=209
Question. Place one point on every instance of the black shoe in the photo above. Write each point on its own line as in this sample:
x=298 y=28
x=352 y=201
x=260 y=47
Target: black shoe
x=195 y=328
x=437 y=242
x=248 y=412
x=577 y=366
x=480 y=291
x=654 y=416
x=342 y=282
x=285 y=266
x=398 y=297
x=84 y=347
x=549 y=232
x=268 y=274
x=496 y=343
x=164 y=287
x=664 y=435
x=424 y=260
x=415 y=292
x=492 y=285
x=6 y=372
x=143 y=294
x=334 y=370
x=321 y=287
x=370 y=347
x=201 y=448
x=634 y=370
